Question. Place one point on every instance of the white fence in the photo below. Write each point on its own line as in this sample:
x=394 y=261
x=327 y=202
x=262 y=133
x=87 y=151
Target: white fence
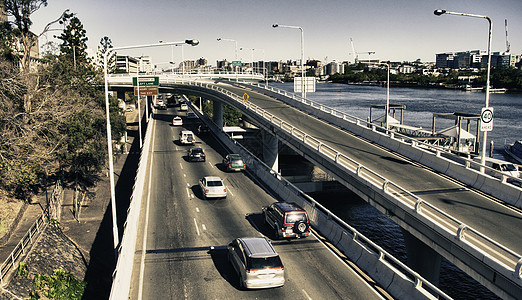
x=122 y=275
x=500 y=258
x=394 y=276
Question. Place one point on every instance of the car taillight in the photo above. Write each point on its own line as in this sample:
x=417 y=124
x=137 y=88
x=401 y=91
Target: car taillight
x=230 y=165
x=206 y=191
x=225 y=190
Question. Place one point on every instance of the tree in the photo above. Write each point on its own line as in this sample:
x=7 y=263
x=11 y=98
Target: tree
x=106 y=45
x=74 y=40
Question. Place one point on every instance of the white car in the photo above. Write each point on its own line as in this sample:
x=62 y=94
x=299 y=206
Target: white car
x=183 y=107
x=212 y=187
x=177 y=121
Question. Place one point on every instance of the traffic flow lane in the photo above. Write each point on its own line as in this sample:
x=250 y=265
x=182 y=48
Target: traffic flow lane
x=186 y=266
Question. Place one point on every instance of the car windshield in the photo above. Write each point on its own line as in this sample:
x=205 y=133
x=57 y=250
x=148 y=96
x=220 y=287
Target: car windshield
x=508 y=167
x=214 y=183
x=265 y=262
x=197 y=150
x=295 y=217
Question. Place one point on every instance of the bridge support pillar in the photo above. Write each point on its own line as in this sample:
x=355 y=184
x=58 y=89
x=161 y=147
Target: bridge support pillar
x=217 y=109
x=422 y=259
x=121 y=95
x=270 y=150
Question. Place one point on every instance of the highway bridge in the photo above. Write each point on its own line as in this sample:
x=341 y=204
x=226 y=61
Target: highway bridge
x=470 y=224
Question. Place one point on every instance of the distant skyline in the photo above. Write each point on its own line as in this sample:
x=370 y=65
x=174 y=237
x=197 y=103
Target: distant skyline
x=399 y=30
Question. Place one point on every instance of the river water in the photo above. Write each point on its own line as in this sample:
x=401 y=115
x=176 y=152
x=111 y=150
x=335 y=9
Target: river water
x=420 y=104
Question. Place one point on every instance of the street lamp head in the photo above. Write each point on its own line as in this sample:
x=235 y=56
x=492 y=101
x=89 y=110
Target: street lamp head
x=439 y=12
x=192 y=42
x=275 y=25
x=219 y=39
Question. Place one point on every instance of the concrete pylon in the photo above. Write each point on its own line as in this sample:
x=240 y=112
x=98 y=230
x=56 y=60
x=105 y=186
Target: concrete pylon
x=422 y=258
x=270 y=150
x=217 y=109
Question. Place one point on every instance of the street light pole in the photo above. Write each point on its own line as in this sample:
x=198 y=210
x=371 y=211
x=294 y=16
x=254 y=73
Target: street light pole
x=235 y=51
x=440 y=12
x=109 y=134
x=303 y=92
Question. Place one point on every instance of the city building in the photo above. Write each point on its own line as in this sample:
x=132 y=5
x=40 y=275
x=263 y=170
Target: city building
x=128 y=64
x=475 y=59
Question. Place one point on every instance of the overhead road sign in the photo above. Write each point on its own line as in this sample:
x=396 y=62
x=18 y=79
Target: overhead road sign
x=236 y=63
x=146 y=81
x=146 y=91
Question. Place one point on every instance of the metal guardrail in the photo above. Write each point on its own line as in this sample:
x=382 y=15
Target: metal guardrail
x=501 y=258
x=22 y=247
x=30 y=237
x=389 y=260
x=469 y=163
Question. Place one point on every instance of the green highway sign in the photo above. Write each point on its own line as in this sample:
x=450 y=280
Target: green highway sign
x=146 y=81
x=236 y=63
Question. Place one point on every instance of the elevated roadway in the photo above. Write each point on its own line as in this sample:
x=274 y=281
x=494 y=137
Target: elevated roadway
x=471 y=210
x=491 y=225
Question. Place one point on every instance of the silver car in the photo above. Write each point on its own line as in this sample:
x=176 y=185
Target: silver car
x=212 y=187
x=256 y=262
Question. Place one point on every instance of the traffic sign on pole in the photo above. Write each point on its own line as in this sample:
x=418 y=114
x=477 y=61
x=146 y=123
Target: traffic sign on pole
x=486 y=119
x=146 y=91
x=146 y=81
x=245 y=96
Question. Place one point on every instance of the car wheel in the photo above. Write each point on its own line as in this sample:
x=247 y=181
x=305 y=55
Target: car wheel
x=300 y=227
x=240 y=281
x=276 y=233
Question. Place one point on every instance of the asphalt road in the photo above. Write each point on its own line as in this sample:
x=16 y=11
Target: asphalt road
x=185 y=237
x=481 y=212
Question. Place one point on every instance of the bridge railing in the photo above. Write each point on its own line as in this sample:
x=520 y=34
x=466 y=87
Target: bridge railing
x=500 y=258
x=469 y=163
x=377 y=261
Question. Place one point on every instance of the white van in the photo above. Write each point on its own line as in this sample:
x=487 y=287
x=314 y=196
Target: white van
x=187 y=137
x=501 y=166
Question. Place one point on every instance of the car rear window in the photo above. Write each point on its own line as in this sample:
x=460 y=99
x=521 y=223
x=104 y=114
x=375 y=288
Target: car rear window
x=214 y=183
x=264 y=262
x=295 y=217
x=237 y=162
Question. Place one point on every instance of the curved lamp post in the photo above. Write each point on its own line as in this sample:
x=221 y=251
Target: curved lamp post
x=440 y=12
x=109 y=135
x=303 y=92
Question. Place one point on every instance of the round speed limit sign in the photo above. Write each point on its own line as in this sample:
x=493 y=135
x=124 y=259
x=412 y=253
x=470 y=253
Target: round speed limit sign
x=486 y=119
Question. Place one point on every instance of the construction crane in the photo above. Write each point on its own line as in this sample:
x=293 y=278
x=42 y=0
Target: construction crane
x=356 y=54
x=508 y=46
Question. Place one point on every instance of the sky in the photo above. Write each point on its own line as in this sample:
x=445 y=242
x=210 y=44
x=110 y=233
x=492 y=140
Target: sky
x=396 y=30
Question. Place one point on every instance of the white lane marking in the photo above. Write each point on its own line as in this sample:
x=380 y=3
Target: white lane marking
x=185 y=175
x=144 y=242
x=210 y=164
x=306 y=294
x=204 y=227
x=188 y=192
x=229 y=191
x=188 y=184
x=196 y=223
x=197 y=209
x=181 y=166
